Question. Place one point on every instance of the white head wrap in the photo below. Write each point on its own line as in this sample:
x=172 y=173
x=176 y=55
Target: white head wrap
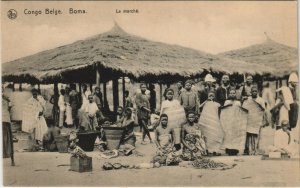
x=293 y=77
x=209 y=78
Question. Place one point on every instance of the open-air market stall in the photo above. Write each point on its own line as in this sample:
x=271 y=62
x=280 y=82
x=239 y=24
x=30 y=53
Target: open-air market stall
x=117 y=54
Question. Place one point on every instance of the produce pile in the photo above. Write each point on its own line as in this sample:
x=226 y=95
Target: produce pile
x=207 y=164
x=116 y=166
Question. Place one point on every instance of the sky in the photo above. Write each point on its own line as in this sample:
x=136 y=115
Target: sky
x=211 y=27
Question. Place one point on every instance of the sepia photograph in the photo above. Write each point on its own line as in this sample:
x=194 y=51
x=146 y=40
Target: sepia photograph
x=150 y=94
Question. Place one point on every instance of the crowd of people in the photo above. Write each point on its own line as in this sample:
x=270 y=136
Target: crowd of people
x=196 y=121
x=224 y=118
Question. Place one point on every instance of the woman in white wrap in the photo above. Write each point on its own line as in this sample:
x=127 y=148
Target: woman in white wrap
x=33 y=119
x=285 y=99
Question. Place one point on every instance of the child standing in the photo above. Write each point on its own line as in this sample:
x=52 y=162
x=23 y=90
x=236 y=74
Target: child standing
x=189 y=99
x=92 y=110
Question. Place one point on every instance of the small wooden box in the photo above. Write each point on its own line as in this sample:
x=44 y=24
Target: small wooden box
x=81 y=164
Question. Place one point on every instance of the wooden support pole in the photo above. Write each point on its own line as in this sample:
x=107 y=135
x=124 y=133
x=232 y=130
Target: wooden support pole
x=13 y=86
x=106 y=105
x=39 y=88
x=80 y=89
x=280 y=82
x=55 y=114
x=20 y=87
x=98 y=77
x=56 y=93
x=115 y=86
x=160 y=93
x=124 y=89
x=277 y=86
x=91 y=87
x=260 y=85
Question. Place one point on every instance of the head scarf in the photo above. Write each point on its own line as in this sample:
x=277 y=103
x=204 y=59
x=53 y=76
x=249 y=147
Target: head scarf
x=209 y=78
x=293 y=77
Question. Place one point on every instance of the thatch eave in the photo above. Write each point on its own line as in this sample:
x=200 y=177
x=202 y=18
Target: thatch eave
x=119 y=54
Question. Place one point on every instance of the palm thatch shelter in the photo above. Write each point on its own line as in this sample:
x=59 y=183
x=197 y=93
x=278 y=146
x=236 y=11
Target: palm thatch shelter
x=279 y=59
x=115 y=54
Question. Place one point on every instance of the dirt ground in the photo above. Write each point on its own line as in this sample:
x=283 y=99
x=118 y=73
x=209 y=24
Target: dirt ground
x=41 y=169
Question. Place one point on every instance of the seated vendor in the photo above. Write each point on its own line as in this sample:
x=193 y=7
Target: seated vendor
x=282 y=140
x=193 y=141
x=164 y=135
x=164 y=140
x=128 y=124
x=119 y=116
x=49 y=143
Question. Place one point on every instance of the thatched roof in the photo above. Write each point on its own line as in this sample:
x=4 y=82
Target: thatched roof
x=279 y=58
x=118 y=53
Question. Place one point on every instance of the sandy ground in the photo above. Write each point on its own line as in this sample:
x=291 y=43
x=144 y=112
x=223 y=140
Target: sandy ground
x=251 y=171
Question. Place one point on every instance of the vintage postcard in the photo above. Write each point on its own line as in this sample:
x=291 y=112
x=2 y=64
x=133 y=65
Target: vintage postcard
x=150 y=93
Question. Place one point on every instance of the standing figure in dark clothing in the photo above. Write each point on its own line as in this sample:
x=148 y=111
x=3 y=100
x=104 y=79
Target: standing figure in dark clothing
x=75 y=104
x=222 y=92
x=143 y=111
x=208 y=86
x=7 y=137
x=152 y=99
x=165 y=92
x=128 y=100
x=98 y=98
x=189 y=99
x=55 y=110
x=180 y=88
x=246 y=90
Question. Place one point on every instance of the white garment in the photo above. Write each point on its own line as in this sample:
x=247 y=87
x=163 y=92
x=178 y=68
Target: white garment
x=269 y=98
x=31 y=119
x=283 y=113
x=235 y=102
x=295 y=139
x=281 y=139
x=261 y=102
x=41 y=128
x=61 y=103
x=69 y=119
x=85 y=99
x=287 y=96
x=293 y=77
x=91 y=109
x=42 y=100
